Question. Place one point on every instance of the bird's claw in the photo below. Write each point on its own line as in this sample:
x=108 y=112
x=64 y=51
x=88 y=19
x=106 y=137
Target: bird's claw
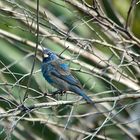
x=60 y=92
x=53 y=94
x=48 y=94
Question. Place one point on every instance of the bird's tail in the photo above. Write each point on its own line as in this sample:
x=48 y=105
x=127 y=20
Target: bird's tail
x=82 y=93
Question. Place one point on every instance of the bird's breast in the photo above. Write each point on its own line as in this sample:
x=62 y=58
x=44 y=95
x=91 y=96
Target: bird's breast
x=46 y=73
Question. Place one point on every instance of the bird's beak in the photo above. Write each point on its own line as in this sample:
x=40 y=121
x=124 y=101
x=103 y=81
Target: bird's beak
x=46 y=55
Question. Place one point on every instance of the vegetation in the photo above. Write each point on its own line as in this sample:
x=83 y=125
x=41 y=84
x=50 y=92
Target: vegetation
x=100 y=42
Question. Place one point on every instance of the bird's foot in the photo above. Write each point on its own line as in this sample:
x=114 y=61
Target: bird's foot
x=47 y=94
x=60 y=92
x=53 y=94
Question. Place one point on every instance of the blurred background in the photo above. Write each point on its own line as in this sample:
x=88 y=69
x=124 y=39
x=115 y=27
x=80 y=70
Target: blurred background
x=100 y=40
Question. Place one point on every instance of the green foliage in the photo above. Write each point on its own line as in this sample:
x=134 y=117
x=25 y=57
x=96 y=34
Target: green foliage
x=102 y=50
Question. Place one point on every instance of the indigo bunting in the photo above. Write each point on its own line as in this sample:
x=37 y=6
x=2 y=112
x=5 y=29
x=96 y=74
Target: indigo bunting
x=58 y=74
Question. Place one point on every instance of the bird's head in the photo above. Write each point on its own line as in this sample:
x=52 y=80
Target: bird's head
x=48 y=55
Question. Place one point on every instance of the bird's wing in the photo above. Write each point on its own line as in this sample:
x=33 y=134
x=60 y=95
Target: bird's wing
x=62 y=71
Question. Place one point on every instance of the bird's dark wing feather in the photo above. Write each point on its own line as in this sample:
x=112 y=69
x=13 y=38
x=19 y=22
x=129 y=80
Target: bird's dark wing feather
x=62 y=71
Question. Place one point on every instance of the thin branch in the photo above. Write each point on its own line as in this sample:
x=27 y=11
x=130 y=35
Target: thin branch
x=73 y=129
x=37 y=40
x=18 y=110
x=124 y=80
x=103 y=21
x=133 y=3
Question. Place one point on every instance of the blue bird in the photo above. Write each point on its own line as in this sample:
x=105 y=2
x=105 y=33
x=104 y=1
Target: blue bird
x=58 y=74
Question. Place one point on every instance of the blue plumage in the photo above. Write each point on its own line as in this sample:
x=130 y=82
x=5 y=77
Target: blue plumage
x=58 y=74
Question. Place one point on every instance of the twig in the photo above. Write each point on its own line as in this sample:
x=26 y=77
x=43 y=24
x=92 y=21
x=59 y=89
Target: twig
x=37 y=40
x=103 y=21
x=73 y=129
x=50 y=104
x=133 y=3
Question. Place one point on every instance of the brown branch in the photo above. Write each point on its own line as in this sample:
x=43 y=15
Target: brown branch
x=30 y=108
x=124 y=80
x=133 y=3
x=36 y=48
x=73 y=129
x=103 y=21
